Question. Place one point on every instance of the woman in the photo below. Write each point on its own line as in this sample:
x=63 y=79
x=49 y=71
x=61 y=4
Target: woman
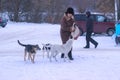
x=66 y=28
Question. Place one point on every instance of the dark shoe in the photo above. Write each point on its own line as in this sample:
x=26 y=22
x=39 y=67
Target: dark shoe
x=71 y=58
x=96 y=45
x=70 y=55
x=86 y=47
x=62 y=55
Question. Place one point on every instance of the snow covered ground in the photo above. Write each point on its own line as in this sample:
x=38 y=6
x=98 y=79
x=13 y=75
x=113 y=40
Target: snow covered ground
x=102 y=63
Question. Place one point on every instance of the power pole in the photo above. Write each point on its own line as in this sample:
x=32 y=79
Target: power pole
x=116 y=10
x=0 y=5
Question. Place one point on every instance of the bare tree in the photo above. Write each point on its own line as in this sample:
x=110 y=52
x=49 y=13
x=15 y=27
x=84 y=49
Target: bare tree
x=0 y=5
x=51 y=10
x=14 y=6
x=106 y=5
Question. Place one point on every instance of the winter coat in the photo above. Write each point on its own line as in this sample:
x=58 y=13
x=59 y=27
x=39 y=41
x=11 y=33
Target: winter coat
x=0 y=20
x=89 y=25
x=117 y=29
x=65 y=30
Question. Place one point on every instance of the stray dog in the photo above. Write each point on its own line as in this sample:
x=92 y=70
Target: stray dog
x=31 y=50
x=65 y=48
x=46 y=48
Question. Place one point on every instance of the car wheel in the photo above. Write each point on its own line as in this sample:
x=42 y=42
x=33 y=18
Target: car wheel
x=3 y=26
x=110 y=32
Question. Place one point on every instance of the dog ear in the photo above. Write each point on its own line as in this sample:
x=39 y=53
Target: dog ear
x=72 y=39
x=38 y=46
x=43 y=44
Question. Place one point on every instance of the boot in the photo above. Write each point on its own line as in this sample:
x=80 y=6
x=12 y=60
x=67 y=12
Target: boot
x=96 y=45
x=70 y=55
x=86 y=47
x=62 y=55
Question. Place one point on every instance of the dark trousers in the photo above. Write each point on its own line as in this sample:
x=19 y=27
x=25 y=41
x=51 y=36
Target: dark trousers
x=69 y=55
x=117 y=40
x=89 y=39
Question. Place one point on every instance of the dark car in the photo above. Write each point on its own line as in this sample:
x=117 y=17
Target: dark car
x=3 y=22
x=101 y=24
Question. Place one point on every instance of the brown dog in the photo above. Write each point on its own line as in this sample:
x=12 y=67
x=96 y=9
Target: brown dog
x=31 y=50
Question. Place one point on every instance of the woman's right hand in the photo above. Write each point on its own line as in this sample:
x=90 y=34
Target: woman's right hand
x=72 y=29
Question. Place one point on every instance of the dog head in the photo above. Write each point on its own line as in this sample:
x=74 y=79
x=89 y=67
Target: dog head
x=69 y=43
x=46 y=46
x=36 y=47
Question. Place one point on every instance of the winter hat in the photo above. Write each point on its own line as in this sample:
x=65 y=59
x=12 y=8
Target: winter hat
x=88 y=13
x=70 y=10
x=118 y=22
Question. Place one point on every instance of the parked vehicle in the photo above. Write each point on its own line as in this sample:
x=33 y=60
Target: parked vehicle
x=3 y=22
x=101 y=23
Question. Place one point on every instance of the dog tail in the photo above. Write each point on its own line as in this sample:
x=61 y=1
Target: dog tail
x=20 y=43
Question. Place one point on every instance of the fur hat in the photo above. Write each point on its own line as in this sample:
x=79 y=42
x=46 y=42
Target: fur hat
x=70 y=10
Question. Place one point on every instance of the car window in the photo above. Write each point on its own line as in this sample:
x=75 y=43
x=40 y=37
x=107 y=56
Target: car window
x=93 y=17
x=80 y=17
x=100 y=18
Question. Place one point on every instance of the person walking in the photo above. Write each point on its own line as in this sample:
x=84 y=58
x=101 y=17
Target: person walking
x=117 y=33
x=67 y=22
x=89 y=30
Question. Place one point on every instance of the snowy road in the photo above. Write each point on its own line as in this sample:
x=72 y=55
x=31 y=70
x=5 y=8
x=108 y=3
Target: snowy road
x=102 y=63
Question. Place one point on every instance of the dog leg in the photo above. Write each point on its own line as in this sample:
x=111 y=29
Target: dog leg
x=48 y=54
x=66 y=57
x=50 y=58
x=25 y=54
x=33 y=60
x=43 y=53
x=32 y=56
x=51 y=55
x=29 y=56
x=55 y=56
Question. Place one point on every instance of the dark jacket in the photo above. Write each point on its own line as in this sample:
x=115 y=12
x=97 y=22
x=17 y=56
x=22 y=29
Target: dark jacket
x=89 y=24
x=65 y=30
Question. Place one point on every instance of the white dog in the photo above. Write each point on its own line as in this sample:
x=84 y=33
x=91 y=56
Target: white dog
x=46 y=49
x=65 y=48
x=76 y=33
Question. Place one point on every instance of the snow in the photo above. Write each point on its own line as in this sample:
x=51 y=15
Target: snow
x=102 y=63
